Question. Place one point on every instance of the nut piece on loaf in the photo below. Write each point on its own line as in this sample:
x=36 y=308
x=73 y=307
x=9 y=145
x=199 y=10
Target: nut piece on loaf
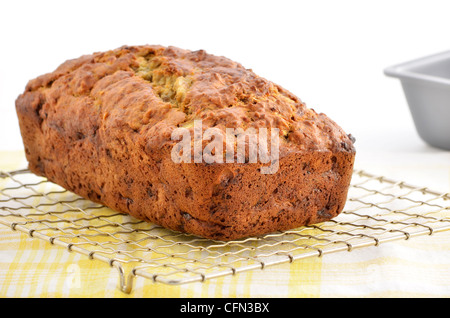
x=101 y=125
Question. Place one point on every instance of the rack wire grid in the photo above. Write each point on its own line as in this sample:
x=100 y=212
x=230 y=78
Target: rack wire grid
x=378 y=210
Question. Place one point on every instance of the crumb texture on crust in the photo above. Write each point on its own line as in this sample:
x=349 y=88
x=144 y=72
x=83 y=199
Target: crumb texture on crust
x=100 y=125
x=149 y=85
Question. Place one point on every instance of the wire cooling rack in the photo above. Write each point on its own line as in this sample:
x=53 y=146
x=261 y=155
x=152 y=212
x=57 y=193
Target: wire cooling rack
x=378 y=210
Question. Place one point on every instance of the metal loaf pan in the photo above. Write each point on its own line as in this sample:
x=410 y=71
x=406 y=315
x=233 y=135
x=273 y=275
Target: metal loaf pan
x=426 y=85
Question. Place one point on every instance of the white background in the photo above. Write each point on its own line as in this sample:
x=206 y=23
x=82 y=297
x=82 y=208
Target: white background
x=329 y=53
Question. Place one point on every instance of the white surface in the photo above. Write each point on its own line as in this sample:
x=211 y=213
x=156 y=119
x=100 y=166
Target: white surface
x=329 y=53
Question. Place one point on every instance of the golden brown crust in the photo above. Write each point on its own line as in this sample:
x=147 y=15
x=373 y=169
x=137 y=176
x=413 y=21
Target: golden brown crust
x=101 y=126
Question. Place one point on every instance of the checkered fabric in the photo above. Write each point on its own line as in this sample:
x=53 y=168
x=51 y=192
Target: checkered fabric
x=419 y=267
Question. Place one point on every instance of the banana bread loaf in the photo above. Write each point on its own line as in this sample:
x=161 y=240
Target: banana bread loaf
x=102 y=126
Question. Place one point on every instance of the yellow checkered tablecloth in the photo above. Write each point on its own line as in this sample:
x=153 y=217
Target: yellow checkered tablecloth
x=420 y=267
